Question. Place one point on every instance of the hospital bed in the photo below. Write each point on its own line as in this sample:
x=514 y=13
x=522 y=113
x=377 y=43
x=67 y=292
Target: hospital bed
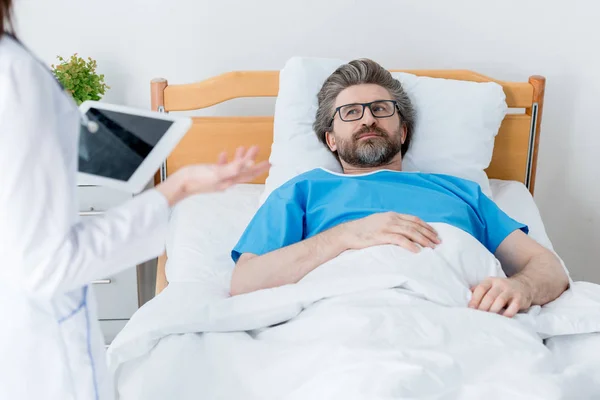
x=161 y=353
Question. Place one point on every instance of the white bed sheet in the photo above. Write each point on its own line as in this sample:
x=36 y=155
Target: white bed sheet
x=158 y=355
x=164 y=361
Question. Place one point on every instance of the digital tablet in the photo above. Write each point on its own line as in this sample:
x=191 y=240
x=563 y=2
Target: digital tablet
x=123 y=147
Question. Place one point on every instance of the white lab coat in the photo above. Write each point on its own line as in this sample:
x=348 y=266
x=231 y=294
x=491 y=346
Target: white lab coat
x=51 y=346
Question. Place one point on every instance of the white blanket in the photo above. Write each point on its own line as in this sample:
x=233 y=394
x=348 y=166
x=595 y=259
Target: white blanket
x=380 y=323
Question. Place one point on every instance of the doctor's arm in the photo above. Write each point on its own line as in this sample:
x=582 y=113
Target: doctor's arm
x=535 y=277
x=196 y=179
x=51 y=256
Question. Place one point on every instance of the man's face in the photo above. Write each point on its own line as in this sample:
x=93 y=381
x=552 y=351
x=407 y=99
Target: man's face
x=369 y=141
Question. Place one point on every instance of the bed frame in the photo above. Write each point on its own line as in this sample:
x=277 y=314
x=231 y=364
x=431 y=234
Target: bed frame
x=515 y=150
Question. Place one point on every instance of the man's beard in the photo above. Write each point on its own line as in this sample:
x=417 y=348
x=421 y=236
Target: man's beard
x=371 y=152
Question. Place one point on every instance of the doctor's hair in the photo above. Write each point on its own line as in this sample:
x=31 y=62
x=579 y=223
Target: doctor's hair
x=359 y=72
x=6 y=24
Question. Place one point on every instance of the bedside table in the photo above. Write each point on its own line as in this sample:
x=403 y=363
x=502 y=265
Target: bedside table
x=117 y=295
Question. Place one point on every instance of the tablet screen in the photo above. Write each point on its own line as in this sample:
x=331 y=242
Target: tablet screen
x=120 y=144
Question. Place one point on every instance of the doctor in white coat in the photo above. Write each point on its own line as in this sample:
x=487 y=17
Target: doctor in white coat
x=51 y=345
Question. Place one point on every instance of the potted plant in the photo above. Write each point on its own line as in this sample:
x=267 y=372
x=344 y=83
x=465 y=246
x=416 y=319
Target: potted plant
x=79 y=78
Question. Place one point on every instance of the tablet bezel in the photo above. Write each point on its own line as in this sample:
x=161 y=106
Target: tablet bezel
x=144 y=173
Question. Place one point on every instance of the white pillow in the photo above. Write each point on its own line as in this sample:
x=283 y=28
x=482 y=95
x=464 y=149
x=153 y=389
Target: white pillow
x=204 y=228
x=457 y=122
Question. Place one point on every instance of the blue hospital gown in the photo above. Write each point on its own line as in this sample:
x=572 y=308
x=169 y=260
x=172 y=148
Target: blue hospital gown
x=318 y=200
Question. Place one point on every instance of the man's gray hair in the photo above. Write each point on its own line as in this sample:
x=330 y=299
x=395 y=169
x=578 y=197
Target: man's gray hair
x=358 y=72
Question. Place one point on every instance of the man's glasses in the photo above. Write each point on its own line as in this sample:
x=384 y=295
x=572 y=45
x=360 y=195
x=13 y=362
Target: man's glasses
x=355 y=111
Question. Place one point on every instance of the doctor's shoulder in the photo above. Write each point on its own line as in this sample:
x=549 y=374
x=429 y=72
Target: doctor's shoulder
x=14 y=57
x=26 y=81
x=23 y=76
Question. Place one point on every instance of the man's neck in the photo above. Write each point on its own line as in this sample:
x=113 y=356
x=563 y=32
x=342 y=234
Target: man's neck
x=395 y=165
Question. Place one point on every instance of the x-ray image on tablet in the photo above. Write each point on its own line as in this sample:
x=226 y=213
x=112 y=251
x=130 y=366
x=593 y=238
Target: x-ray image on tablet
x=126 y=146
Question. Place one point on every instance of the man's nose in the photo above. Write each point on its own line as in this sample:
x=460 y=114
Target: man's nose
x=368 y=118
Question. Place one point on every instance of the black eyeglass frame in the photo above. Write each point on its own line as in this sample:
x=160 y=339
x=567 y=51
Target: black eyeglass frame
x=364 y=105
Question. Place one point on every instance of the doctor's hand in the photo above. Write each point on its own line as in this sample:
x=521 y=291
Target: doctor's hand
x=402 y=230
x=496 y=294
x=196 y=179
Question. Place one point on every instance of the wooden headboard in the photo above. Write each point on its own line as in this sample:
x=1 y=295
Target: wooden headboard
x=515 y=149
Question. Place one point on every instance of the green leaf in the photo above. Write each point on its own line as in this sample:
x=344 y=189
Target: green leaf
x=79 y=77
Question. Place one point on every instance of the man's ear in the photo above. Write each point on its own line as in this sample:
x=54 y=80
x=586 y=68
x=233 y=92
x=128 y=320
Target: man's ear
x=404 y=132
x=330 y=139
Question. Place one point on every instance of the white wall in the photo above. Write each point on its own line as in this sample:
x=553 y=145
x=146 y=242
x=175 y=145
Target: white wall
x=189 y=40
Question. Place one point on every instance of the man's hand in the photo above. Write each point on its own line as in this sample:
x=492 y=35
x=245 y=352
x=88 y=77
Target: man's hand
x=388 y=228
x=495 y=294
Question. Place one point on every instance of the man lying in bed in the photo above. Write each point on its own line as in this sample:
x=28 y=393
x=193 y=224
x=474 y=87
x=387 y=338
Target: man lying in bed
x=366 y=119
